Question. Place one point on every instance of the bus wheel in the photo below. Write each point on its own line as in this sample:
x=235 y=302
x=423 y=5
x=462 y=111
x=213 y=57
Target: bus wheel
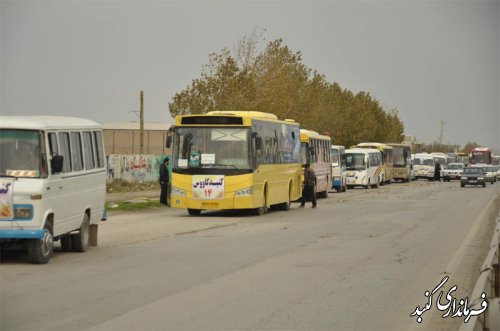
x=40 y=250
x=194 y=212
x=344 y=188
x=263 y=209
x=324 y=194
x=80 y=241
x=375 y=185
x=285 y=205
x=66 y=244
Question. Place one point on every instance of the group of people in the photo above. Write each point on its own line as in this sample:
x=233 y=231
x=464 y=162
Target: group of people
x=308 y=192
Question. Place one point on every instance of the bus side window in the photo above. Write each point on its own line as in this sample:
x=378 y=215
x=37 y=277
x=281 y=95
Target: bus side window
x=65 y=151
x=76 y=151
x=99 y=149
x=88 y=150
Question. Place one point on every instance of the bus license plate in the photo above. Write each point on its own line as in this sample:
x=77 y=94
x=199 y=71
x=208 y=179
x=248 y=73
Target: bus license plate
x=210 y=204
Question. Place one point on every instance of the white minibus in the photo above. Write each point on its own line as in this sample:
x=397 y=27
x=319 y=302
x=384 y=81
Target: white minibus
x=52 y=183
x=363 y=167
x=423 y=164
x=338 y=168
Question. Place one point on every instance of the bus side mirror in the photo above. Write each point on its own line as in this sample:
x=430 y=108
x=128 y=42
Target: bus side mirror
x=168 y=143
x=56 y=163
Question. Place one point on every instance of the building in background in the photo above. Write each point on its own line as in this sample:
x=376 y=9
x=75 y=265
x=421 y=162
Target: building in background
x=124 y=137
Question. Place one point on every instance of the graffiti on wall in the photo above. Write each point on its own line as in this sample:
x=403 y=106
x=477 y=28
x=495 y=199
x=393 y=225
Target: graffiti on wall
x=134 y=168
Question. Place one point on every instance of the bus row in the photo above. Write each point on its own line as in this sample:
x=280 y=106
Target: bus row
x=253 y=160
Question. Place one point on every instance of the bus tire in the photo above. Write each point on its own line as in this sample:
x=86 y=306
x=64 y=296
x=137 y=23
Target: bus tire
x=375 y=185
x=66 y=244
x=344 y=188
x=324 y=194
x=80 y=241
x=41 y=250
x=194 y=212
x=261 y=210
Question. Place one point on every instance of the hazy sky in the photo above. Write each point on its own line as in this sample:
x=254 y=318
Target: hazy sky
x=432 y=60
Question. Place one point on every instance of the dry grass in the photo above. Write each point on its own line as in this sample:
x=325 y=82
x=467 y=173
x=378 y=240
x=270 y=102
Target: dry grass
x=123 y=186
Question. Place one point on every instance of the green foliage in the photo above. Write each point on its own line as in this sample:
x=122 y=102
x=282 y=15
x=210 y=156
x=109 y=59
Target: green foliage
x=137 y=206
x=276 y=81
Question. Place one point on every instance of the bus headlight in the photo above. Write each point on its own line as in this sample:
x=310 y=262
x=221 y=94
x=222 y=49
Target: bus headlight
x=244 y=193
x=177 y=191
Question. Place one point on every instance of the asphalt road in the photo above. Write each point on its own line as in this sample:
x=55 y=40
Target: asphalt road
x=361 y=261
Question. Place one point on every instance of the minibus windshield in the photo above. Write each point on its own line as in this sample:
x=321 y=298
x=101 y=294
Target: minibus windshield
x=20 y=154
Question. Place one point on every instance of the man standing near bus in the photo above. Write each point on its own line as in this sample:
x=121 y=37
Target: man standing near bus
x=164 y=182
x=308 y=193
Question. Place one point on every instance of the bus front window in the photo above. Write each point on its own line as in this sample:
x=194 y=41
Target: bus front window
x=304 y=153
x=399 y=157
x=355 y=162
x=211 y=148
x=21 y=154
x=335 y=157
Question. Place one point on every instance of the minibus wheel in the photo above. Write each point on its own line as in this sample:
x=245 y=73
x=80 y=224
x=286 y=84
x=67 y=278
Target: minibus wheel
x=80 y=241
x=194 y=212
x=40 y=250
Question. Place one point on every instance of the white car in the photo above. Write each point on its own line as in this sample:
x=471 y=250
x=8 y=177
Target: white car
x=491 y=174
x=452 y=171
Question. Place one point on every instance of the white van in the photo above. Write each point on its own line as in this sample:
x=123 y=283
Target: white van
x=423 y=164
x=363 y=167
x=337 y=157
x=52 y=183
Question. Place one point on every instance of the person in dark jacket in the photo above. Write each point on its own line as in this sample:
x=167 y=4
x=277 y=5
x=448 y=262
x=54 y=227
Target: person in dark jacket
x=164 y=182
x=308 y=193
x=437 y=172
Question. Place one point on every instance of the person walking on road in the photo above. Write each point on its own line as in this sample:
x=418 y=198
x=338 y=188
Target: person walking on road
x=164 y=182
x=308 y=193
x=437 y=172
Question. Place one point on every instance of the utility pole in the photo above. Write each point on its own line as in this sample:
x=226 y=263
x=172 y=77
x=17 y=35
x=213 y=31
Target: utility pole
x=141 y=119
x=441 y=133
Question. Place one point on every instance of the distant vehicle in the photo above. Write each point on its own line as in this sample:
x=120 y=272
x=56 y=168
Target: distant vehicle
x=387 y=159
x=363 y=167
x=315 y=150
x=495 y=159
x=473 y=176
x=423 y=164
x=481 y=156
x=53 y=183
x=462 y=158
x=452 y=171
x=338 y=168
x=401 y=155
x=440 y=158
x=491 y=174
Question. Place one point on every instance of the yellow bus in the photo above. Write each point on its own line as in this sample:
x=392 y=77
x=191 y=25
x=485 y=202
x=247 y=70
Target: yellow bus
x=235 y=160
x=315 y=150
x=387 y=161
x=401 y=155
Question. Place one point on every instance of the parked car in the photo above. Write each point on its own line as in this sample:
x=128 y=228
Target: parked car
x=452 y=171
x=473 y=176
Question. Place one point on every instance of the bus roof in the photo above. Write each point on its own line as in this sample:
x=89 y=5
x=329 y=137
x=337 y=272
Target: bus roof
x=361 y=150
x=46 y=122
x=226 y=117
x=374 y=145
x=305 y=135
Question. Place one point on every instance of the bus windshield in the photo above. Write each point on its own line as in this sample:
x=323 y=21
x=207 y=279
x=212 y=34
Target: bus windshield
x=335 y=157
x=304 y=155
x=20 y=154
x=399 y=156
x=355 y=162
x=427 y=162
x=481 y=157
x=203 y=150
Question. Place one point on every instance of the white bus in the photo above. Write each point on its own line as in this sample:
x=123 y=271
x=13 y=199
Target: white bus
x=423 y=164
x=52 y=183
x=363 y=167
x=338 y=168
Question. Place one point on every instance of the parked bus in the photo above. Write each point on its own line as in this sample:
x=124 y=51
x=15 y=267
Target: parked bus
x=480 y=156
x=337 y=158
x=315 y=150
x=387 y=160
x=52 y=183
x=235 y=160
x=423 y=165
x=363 y=167
x=402 y=162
